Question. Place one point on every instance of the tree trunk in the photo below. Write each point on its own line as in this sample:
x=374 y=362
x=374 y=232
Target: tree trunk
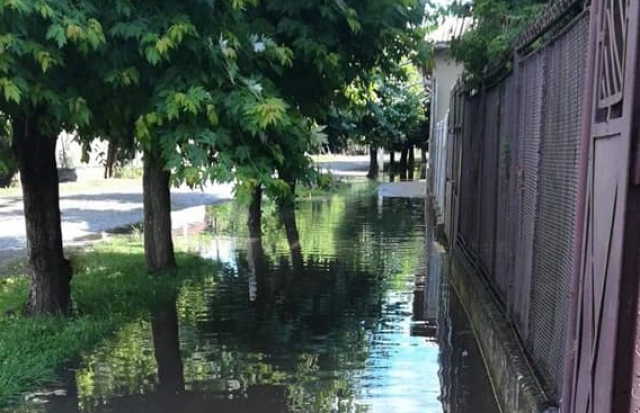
x=259 y=286
x=288 y=216
x=49 y=271
x=392 y=158
x=404 y=162
x=112 y=151
x=412 y=163
x=254 y=220
x=373 y=163
x=404 y=154
x=166 y=348
x=158 y=245
x=423 y=153
x=290 y=179
x=410 y=173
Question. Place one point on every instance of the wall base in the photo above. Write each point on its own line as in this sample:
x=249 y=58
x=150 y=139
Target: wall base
x=515 y=385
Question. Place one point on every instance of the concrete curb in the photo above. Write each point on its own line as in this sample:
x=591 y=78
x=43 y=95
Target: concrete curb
x=516 y=387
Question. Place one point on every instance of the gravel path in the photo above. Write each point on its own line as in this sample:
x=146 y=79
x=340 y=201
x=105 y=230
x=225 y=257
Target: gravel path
x=88 y=214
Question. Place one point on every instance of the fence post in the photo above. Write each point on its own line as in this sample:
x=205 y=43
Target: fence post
x=569 y=363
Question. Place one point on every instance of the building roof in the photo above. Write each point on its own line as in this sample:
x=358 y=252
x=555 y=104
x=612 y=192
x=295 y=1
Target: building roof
x=450 y=28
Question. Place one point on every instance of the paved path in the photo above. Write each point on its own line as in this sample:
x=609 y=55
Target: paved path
x=345 y=165
x=405 y=189
x=87 y=214
x=90 y=210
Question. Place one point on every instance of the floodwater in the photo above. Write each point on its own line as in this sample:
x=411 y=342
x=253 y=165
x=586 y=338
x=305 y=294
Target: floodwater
x=342 y=307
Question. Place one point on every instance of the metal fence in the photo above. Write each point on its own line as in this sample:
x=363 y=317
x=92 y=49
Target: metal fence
x=514 y=193
x=438 y=163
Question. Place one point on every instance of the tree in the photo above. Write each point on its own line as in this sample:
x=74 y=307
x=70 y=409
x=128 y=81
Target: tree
x=389 y=109
x=43 y=49
x=183 y=80
x=497 y=24
x=333 y=44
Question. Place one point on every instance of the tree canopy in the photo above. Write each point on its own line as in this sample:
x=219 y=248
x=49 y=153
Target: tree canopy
x=231 y=90
x=497 y=23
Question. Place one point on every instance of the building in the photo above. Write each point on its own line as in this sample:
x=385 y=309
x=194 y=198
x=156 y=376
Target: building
x=444 y=74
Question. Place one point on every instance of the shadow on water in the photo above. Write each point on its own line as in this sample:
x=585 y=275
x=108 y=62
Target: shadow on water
x=339 y=307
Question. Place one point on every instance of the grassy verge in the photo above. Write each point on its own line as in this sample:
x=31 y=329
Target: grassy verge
x=110 y=289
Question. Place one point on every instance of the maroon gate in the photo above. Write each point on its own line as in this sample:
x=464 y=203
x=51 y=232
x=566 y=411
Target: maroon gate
x=544 y=181
x=603 y=311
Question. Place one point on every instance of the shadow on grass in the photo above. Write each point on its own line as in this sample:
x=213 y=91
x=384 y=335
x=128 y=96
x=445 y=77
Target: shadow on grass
x=110 y=289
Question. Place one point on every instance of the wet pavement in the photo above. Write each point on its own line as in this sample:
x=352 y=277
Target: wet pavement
x=342 y=307
x=90 y=213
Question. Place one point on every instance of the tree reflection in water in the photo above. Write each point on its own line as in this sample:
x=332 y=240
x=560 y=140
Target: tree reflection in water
x=293 y=323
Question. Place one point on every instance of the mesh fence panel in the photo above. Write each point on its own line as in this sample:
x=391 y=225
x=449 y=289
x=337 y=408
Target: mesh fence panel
x=488 y=188
x=531 y=77
x=518 y=188
x=557 y=199
x=504 y=224
x=469 y=172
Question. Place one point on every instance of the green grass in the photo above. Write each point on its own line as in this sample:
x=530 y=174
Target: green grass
x=110 y=288
x=128 y=172
x=325 y=184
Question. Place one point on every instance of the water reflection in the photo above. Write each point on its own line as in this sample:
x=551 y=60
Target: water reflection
x=166 y=349
x=340 y=306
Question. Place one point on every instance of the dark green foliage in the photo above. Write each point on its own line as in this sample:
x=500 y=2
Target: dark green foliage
x=7 y=163
x=43 y=48
x=335 y=42
x=497 y=24
x=227 y=90
x=387 y=109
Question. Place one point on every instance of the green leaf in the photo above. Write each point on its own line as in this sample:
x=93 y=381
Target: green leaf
x=20 y=6
x=152 y=55
x=74 y=32
x=142 y=130
x=11 y=91
x=79 y=111
x=268 y=112
x=178 y=31
x=45 y=60
x=163 y=45
x=56 y=33
x=44 y=9
x=212 y=116
x=243 y=153
x=352 y=20
x=95 y=34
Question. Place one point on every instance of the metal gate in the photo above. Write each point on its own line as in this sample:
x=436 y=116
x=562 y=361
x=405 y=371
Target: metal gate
x=456 y=117
x=598 y=338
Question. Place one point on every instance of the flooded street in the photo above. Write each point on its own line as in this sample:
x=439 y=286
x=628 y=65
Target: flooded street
x=342 y=307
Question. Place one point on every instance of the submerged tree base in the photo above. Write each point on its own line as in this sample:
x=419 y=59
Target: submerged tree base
x=110 y=289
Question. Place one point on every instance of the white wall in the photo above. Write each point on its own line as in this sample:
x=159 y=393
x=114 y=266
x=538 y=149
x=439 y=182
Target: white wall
x=69 y=153
x=446 y=73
